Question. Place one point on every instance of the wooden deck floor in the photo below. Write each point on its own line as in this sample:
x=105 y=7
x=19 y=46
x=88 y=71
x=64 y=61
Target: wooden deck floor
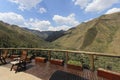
x=45 y=70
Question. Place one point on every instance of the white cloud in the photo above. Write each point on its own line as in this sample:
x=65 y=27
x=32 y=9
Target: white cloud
x=64 y=23
x=95 y=5
x=42 y=10
x=69 y=20
x=12 y=18
x=36 y=24
x=100 y=5
x=81 y=3
x=57 y=28
x=113 y=10
x=17 y=19
x=26 y=4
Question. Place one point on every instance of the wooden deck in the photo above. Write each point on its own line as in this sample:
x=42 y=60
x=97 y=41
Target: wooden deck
x=45 y=70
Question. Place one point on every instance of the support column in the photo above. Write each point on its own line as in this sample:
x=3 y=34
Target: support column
x=49 y=55
x=66 y=60
x=92 y=67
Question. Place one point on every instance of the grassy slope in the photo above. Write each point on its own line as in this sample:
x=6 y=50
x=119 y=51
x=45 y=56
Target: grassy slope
x=97 y=35
x=14 y=36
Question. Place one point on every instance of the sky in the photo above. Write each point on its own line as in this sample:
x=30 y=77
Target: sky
x=54 y=15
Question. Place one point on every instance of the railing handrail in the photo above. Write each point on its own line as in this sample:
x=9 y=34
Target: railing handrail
x=69 y=51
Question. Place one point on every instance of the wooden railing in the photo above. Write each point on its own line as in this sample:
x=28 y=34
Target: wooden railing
x=91 y=54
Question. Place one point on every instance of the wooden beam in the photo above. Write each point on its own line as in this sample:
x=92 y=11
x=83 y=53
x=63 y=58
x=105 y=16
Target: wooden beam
x=92 y=66
x=69 y=51
x=66 y=60
x=49 y=55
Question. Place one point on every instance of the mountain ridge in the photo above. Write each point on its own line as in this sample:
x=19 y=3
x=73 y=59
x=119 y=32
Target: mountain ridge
x=95 y=35
x=47 y=35
x=14 y=36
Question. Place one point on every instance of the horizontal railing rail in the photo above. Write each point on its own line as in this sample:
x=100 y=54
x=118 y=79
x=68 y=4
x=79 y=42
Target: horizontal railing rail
x=67 y=52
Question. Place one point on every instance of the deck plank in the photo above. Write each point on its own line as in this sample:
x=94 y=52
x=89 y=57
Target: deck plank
x=45 y=70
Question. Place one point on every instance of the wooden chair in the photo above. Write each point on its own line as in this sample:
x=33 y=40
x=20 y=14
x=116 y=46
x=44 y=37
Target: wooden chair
x=20 y=63
x=3 y=56
x=14 y=54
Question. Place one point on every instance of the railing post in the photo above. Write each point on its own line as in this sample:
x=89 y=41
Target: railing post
x=92 y=67
x=66 y=60
x=49 y=55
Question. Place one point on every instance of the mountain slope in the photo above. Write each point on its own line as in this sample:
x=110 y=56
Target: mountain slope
x=41 y=34
x=55 y=35
x=47 y=35
x=100 y=35
x=14 y=36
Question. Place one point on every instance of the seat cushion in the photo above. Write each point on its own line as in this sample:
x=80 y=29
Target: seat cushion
x=14 y=62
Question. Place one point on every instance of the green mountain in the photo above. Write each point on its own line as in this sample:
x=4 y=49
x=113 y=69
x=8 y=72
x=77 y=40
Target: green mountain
x=47 y=35
x=14 y=36
x=41 y=34
x=55 y=35
x=99 y=35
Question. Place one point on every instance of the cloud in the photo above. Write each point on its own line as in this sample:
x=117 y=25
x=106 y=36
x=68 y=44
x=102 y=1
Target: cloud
x=95 y=5
x=69 y=20
x=42 y=10
x=64 y=23
x=81 y=3
x=17 y=19
x=43 y=25
x=36 y=24
x=100 y=5
x=113 y=10
x=57 y=28
x=26 y=4
x=12 y=18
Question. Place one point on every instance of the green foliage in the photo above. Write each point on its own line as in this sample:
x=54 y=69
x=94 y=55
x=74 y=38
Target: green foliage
x=79 y=59
x=111 y=63
x=78 y=63
x=57 y=55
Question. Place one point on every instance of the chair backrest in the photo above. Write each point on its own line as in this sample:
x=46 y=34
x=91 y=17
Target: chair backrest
x=0 y=52
x=23 y=55
x=5 y=53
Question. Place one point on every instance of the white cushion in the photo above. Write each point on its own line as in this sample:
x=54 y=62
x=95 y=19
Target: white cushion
x=14 y=62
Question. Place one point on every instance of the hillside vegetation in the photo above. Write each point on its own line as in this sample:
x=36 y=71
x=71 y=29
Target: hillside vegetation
x=99 y=35
x=14 y=36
